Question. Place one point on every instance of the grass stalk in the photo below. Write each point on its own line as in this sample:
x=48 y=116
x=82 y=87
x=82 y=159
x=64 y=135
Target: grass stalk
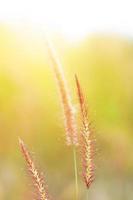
x=70 y=123
x=87 y=194
x=75 y=172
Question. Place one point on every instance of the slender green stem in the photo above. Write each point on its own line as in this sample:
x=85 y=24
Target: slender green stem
x=87 y=194
x=76 y=172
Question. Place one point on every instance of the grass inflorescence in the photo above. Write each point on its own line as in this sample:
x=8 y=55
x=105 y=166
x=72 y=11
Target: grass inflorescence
x=84 y=140
x=37 y=179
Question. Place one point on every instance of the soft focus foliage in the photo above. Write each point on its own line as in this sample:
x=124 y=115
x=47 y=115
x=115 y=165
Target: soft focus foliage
x=30 y=109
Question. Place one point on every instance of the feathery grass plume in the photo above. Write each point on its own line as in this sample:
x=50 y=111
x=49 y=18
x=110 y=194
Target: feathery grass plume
x=38 y=182
x=68 y=108
x=86 y=141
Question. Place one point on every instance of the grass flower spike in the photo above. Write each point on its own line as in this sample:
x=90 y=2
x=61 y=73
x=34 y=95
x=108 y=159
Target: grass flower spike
x=38 y=182
x=86 y=140
x=68 y=108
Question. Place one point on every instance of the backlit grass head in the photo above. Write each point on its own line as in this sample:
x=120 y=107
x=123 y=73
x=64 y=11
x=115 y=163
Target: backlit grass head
x=65 y=97
x=37 y=179
x=86 y=141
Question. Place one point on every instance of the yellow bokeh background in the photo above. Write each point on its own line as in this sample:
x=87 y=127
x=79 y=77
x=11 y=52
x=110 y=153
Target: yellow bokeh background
x=30 y=108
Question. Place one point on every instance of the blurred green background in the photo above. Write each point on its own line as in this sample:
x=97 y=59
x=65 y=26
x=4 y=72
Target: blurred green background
x=30 y=109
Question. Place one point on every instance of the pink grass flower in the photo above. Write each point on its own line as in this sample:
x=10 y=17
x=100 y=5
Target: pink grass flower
x=86 y=142
x=38 y=182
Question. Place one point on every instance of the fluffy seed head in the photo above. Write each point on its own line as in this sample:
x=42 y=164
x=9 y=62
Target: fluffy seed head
x=86 y=141
x=68 y=108
x=38 y=181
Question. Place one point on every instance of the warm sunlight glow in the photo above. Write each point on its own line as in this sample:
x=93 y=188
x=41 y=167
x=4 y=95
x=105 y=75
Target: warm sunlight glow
x=73 y=18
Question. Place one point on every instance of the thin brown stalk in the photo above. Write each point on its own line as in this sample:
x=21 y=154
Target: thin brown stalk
x=68 y=108
x=38 y=182
x=86 y=142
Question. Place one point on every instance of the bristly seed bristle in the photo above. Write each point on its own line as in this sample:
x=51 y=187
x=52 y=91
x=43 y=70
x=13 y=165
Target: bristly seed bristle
x=38 y=182
x=86 y=142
